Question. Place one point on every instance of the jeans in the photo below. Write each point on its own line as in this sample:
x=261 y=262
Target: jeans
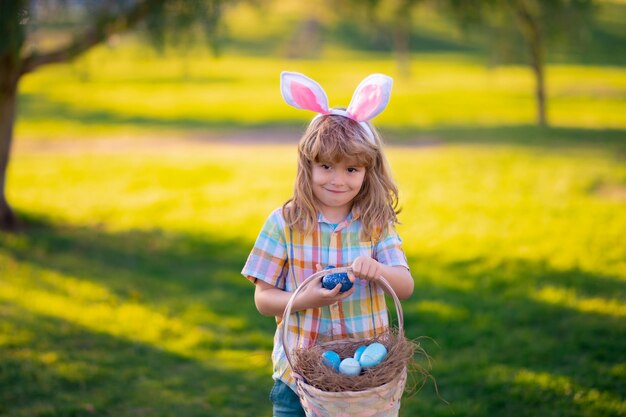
x=286 y=402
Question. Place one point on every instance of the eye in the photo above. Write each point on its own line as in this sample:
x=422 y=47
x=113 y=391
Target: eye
x=353 y=170
x=324 y=166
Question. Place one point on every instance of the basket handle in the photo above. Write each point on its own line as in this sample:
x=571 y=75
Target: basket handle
x=315 y=278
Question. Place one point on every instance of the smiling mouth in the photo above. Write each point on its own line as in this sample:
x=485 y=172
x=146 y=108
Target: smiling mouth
x=335 y=191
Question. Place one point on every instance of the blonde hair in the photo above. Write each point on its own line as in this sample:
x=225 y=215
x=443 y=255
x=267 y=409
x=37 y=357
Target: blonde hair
x=332 y=138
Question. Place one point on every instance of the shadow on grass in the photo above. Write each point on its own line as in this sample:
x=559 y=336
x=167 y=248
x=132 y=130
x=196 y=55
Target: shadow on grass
x=35 y=106
x=519 y=338
x=507 y=345
x=519 y=135
x=355 y=36
x=63 y=369
x=152 y=266
x=54 y=365
x=39 y=107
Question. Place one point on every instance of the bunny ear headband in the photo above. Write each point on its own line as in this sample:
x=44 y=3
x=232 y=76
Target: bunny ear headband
x=369 y=100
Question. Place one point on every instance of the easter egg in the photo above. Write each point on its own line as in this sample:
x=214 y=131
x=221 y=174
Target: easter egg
x=330 y=281
x=332 y=359
x=350 y=367
x=358 y=352
x=373 y=355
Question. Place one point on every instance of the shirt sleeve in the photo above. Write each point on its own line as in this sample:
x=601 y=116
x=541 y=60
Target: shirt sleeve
x=389 y=249
x=268 y=259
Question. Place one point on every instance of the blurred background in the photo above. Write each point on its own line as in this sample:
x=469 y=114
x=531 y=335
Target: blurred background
x=144 y=142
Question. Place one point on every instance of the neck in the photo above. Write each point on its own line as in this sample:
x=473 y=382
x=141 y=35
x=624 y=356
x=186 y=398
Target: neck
x=335 y=215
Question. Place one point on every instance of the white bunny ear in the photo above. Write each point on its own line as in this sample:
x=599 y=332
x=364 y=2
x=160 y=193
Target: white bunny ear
x=302 y=92
x=370 y=97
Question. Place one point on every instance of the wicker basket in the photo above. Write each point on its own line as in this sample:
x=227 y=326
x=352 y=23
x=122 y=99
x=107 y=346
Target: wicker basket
x=381 y=401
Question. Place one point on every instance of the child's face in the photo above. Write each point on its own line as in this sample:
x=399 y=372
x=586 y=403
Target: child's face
x=335 y=185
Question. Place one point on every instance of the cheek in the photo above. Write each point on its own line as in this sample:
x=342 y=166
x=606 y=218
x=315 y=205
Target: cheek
x=358 y=182
x=316 y=177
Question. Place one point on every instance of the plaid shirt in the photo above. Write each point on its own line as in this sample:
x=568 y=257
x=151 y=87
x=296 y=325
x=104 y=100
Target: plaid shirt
x=285 y=257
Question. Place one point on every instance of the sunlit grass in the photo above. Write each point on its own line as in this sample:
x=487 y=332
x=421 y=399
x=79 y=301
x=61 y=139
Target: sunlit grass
x=439 y=308
x=529 y=191
x=568 y=298
x=550 y=386
x=123 y=295
x=132 y=263
x=131 y=87
x=94 y=307
x=484 y=201
x=149 y=191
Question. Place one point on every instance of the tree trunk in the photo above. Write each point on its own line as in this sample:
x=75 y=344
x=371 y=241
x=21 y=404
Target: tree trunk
x=531 y=31
x=8 y=99
x=401 y=40
x=13 y=65
x=537 y=64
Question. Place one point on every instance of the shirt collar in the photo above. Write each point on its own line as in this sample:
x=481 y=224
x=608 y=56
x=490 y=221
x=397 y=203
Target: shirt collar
x=353 y=215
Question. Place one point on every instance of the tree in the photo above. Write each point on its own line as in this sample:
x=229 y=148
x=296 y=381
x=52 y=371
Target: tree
x=88 y=23
x=395 y=16
x=539 y=22
x=402 y=34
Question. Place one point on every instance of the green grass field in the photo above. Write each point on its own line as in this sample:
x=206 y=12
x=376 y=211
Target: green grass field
x=110 y=92
x=142 y=190
x=124 y=297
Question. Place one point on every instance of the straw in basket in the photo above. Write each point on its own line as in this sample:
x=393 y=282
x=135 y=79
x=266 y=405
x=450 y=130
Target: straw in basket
x=375 y=401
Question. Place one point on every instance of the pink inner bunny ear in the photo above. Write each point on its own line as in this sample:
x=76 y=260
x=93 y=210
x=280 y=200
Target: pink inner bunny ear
x=302 y=92
x=305 y=98
x=370 y=98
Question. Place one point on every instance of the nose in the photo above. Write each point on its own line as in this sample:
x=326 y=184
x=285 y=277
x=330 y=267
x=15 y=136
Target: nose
x=337 y=178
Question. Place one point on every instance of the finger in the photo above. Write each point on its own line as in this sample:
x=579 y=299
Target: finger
x=375 y=276
x=318 y=267
x=373 y=271
x=366 y=271
x=351 y=277
x=378 y=273
x=347 y=293
x=334 y=291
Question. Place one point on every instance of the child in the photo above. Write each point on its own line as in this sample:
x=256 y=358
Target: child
x=342 y=213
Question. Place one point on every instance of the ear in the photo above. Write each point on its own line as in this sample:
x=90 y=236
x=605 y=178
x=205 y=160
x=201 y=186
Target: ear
x=370 y=97
x=302 y=92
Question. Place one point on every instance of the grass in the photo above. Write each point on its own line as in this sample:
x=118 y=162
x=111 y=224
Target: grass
x=131 y=90
x=124 y=297
x=127 y=88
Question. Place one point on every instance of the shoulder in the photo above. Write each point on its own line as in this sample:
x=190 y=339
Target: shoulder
x=386 y=232
x=381 y=231
x=273 y=228
x=277 y=216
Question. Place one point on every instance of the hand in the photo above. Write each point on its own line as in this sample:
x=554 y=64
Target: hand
x=314 y=295
x=366 y=268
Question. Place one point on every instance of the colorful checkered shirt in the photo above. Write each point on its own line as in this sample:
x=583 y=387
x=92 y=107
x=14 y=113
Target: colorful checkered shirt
x=284 y=257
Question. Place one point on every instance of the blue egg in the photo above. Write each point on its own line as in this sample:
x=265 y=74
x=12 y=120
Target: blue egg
x=373 y=355
x=350 y=367
x=358 y=352
x=330 y=281
x=332 y=359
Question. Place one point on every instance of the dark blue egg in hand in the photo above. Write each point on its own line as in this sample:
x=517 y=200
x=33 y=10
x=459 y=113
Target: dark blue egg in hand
x=330 y=281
